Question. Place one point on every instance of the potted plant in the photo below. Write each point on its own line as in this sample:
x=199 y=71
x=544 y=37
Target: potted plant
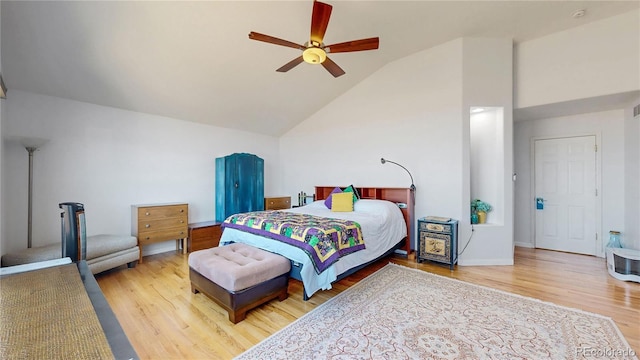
x=480 y=209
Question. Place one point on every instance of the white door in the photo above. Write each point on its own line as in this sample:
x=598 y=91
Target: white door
x=565 y=186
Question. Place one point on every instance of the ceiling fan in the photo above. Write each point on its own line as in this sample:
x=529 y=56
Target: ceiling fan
x=315 y=51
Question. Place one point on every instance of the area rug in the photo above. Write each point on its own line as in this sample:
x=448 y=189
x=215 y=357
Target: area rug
x=403 y=313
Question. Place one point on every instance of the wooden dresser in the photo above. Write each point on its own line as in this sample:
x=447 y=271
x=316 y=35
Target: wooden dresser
x=152 y=223
x=203 y=235
x=277 y=202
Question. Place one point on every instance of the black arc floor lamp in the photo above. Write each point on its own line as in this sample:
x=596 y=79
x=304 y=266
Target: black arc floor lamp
x=413 y=195
x=412 y=187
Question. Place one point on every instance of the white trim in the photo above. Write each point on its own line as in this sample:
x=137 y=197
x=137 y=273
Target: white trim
x=485 y=262
x=524 y=244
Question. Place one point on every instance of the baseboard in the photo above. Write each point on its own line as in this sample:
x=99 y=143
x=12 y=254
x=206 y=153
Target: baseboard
x=485 y=262
x=524 y=244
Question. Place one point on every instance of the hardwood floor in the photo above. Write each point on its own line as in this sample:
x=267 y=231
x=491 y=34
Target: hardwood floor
x=164 y=320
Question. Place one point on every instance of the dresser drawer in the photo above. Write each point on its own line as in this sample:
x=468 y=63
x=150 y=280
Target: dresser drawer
x=149 y=237
x=203 y=235
x=277 y=203
x=426 y=226
x=206 y=233
x=161 y=224
x=161 y=212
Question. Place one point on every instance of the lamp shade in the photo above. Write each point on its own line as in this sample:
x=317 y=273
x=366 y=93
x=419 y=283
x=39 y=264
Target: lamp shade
x=32 y=142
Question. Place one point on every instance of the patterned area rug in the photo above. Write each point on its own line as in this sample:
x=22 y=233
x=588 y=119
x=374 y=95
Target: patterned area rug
x=403 y=313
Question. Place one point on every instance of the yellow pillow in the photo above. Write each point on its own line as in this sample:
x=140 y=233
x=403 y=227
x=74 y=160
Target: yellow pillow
x=342 y=202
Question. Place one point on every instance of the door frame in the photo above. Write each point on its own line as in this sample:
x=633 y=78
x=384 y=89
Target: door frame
x=532 y=187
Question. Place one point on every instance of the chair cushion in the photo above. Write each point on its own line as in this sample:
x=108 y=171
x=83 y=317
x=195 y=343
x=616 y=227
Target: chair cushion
x=34 y=254
x=97 y=246
x=104 y=244
x=238 y=266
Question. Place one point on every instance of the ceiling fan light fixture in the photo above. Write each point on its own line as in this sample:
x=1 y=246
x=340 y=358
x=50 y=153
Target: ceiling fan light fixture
x=314 y=55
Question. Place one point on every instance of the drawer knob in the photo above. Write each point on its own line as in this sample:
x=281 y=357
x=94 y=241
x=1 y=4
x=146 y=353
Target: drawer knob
x=147 y=213
x=181 y=221
x=181 y=210
x=148 y=238
x=147 y=226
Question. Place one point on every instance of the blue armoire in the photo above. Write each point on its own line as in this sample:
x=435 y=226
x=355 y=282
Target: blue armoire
x=239 y=184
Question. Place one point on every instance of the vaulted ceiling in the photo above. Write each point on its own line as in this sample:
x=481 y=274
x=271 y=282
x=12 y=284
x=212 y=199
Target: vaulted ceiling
x=193 y=60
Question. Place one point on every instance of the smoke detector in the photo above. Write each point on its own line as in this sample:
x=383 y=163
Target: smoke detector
x=578 y=13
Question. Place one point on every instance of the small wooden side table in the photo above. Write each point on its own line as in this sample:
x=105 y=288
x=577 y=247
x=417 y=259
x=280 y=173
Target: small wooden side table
x=203 y=235
x=277 y=202
x=438 y=240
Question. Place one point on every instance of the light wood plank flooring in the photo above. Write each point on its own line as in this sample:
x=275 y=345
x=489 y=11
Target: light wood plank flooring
x=164 y=320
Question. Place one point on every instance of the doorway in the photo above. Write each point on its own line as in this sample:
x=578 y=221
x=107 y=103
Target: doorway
x=566 y=194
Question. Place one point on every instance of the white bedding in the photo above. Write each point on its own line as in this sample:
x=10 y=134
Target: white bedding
x=382 y=226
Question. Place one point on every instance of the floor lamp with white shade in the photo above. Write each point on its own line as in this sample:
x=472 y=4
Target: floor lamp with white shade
x=31 y=145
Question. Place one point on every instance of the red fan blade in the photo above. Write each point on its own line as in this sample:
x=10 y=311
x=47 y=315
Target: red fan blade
x=355 y=45
x=332 y=67
x=291 y=64
x=274 y=40
x=319 y=20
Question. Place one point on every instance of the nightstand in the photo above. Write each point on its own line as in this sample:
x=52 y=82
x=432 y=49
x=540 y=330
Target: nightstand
x=203 y=235
x=438 y=240
x=277 y=202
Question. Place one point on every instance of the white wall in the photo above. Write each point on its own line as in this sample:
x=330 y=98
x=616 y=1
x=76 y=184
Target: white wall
x=599 y=58
x=488 y=81
x=631 y=235
x=2 y=161
x=2 y=115
x=109 y=159
x=608 y=127
x=486 y=154
x=411 y=111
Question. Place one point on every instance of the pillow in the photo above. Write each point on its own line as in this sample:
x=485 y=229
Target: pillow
x=352 y=189
x=327 y=202
x=342 y=202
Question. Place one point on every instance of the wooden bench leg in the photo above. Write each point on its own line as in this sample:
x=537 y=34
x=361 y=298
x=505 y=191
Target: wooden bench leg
x=284 y=294
x=237 y=316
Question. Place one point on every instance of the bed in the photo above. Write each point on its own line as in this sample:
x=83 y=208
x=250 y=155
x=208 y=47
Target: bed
x=385 y=216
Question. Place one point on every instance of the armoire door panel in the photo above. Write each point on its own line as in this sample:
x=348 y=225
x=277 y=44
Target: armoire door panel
x=239 y=184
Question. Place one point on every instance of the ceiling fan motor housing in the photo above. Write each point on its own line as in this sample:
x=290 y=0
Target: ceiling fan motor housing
x=314 y=55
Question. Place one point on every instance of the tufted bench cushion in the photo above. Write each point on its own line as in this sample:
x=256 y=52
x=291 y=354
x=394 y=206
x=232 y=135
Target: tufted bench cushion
x=239 y=277
x=238 y=266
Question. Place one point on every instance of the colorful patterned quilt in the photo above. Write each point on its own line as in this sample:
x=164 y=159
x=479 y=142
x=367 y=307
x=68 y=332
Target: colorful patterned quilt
x=325 y=240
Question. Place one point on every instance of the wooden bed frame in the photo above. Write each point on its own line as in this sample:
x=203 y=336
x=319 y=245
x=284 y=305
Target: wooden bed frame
x=404 y=196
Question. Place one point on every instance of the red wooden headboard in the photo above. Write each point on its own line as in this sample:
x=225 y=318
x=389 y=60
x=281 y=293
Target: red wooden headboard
x=397 y=195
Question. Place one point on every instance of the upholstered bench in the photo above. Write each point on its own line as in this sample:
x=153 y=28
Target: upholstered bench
x=239 y=277
x=104 y=252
